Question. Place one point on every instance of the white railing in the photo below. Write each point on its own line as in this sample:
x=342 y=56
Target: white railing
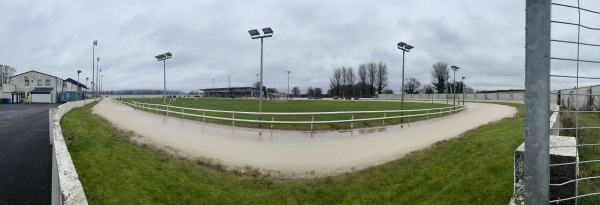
x=169 y=109
x=66 y=187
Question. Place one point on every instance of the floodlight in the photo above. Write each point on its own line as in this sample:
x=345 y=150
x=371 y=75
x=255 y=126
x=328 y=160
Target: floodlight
x=268 y=31
x=409 y=47
x=254 y=32
x=168 y=54
x=95 y=42
x=401 y=44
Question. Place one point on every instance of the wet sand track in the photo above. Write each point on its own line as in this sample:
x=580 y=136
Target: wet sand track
x=296 y=153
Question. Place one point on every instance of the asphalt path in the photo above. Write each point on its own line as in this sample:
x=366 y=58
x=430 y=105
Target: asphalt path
x=25 y=154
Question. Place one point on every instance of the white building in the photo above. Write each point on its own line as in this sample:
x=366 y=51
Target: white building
x=41 y=87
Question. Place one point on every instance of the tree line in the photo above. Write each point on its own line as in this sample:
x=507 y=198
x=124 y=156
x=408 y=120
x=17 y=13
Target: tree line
x=440 y=82
x=370 y=79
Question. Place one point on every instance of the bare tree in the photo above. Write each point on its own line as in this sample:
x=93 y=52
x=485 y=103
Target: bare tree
x=362 y=77
x=310 y=92
x=257 y=86
x=411 y=86
x=382 y=77
x=439 y=76
x=371 y=76
x=349 y=79
x=335 y=81
x=428 y=89
x=318 y=91
x=296 y=91
x=6 y=72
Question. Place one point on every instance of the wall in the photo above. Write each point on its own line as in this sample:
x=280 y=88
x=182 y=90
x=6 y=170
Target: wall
x=577 y=98
x=516 y=96
x=66 y=187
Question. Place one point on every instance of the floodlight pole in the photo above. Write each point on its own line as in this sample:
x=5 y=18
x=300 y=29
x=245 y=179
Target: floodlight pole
x=165 y=82
x=94 y=43
x=78 y=83
x=86 y=79
x=405 y=48
x=97 y=75
x=260 y=85
x=254 y=34
x=462 y=85
x=288 y=91
x=454 y=68
x=229 y=86
x=164 y=57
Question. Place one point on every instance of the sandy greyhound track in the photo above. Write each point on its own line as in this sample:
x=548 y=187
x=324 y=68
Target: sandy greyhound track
x=297 y=153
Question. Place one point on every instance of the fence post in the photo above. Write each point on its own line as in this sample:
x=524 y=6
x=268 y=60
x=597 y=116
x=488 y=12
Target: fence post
x=537 y=101
x=203 y=116
x=312 y=120
x=272 y=119
x=384 y=114
x=352 y=122
x=232 y=118
x=182 y=112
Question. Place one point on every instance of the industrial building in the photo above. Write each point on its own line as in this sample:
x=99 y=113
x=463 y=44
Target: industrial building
x=233 y=92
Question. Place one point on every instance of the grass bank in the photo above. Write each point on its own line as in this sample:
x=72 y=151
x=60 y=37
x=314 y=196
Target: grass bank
x=586 y=153
x=246 y=105
x=476 y=168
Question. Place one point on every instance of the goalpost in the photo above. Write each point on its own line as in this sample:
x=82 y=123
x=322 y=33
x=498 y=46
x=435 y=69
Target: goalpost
x=277 y=97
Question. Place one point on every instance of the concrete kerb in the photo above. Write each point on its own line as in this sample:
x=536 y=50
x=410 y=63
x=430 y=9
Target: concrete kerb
x=66 y=187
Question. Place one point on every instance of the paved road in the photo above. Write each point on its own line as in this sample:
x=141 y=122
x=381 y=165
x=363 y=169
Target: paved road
x=25 y=154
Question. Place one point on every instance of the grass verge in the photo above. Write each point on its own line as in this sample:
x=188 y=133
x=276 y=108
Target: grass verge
x=246 y=105
x=476 y=168
x=586 y=153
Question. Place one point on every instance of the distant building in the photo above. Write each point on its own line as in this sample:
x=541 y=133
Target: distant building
x=235 y=92
x=40 y=87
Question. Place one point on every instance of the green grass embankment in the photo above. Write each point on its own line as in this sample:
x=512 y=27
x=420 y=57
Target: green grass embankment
x=476 y=168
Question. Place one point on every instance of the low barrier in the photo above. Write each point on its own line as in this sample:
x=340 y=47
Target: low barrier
x=66 y=187
x=169 y=109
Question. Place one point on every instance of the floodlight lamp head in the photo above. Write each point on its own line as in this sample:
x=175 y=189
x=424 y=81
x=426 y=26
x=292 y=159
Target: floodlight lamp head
x=408 y=47
x=254 y=33
x=98 y=59
x=401 y=44
x=268 y=31
x=95 y=42
x=78 y=71
x=168 y=55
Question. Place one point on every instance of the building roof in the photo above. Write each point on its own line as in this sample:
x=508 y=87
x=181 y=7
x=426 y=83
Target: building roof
x=74 y=82
x=228 y=89
x=36 y=72
x=42 y=90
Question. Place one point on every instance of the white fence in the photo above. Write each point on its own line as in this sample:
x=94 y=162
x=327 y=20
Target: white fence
x=66 y=187
x=169 y=109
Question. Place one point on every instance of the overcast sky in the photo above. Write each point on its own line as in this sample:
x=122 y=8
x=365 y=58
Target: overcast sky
x=210 y=40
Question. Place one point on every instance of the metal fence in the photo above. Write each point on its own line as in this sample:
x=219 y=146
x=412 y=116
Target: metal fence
x=561 y=47
x=206 y=114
